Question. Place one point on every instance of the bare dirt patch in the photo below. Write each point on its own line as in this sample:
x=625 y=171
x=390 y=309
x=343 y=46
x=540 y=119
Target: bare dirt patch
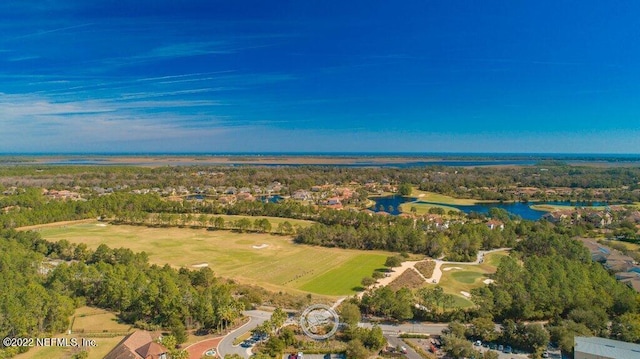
x=409 y=279
x=426 y=268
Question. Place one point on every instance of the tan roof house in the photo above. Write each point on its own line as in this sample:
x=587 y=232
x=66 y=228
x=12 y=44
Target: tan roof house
x=138 y=345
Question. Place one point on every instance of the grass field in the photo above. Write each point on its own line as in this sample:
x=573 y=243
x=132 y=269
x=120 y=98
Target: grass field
x=94 y=320
x=276 y=264
x=441 y=198
x=466 y=277
x=554 y=207
x=348 y=275
x=88 y=320
x=423 y=208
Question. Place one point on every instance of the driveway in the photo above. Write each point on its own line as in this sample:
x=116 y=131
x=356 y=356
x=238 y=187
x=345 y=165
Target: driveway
x=256 y=317
x=196 y=350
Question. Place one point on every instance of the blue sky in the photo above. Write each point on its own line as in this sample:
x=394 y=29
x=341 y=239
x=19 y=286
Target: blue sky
x=320 y=76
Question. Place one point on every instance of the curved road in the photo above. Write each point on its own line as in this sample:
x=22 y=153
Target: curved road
x=256 y=317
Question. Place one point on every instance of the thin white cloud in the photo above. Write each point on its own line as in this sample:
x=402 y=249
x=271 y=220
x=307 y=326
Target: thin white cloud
x=45 y=32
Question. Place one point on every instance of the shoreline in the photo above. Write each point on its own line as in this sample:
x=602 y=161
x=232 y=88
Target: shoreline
x=347 y=159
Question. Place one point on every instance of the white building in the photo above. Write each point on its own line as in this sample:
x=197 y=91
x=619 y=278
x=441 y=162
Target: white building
x=601 y=348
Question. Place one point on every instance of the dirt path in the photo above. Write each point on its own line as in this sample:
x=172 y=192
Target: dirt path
x=55 y=224
x=437 y=271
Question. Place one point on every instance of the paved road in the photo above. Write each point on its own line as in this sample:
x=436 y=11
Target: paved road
x=424 y=328
x=226 y=346
x=395 y=341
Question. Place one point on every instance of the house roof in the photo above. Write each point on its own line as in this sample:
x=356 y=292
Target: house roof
x=151 y=350
x=135 y=345
x=606 y=348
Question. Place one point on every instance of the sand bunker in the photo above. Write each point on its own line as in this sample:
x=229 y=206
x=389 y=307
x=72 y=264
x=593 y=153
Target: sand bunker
x=488 y=281
x=200 y=265
x=261 y=246
x=450 y=268
x=466 y=294
x=101 y=225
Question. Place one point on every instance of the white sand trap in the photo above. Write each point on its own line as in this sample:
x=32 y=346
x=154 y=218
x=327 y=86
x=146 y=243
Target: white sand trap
x=450 y=268
x=488 y=281
x=466 y=294
x=200 y=265
x=101 y=224
x=261 y=246
x=421 y=195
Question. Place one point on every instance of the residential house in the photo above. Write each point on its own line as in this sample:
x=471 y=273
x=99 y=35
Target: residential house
x=301 y=195
x=437 y=221
x=227 y=199
x=495 y=224
x=138 y=345
x=245 y=196
x=630 y=278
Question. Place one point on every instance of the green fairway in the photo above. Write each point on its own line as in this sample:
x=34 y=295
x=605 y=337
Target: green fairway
x=423 y=208
x=466 y=276
x=443 y=199
x=274 y=262
x=556 y=207
x=347 y=276
x=459 y=278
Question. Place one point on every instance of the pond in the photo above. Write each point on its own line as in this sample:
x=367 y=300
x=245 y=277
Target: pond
x=390 y=204
x=520 y=209
x=269 y=198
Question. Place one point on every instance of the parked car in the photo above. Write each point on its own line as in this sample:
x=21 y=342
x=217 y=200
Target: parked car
x=477 y=343
x=493 y=346
x=403 y=350
x=500 y=348
x=545 y=354
x=507 y=350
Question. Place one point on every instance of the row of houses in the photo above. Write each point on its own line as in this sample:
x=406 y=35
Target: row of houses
x=625 y=268
x=599 y=219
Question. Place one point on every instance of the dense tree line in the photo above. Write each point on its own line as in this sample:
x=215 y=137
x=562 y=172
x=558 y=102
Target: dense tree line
x=28 y=306
x=36 y=300
x=551 y=277
x=460 y=242
x=478 y=182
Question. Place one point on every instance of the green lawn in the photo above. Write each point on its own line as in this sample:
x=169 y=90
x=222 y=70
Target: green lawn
x=423 y=208
x=94 y=320
x=273 y=262
x=555 y=207
x=443 y=199
x=346 y=276
x=467 y=277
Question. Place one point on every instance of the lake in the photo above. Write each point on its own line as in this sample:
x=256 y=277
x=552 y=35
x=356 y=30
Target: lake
x=391 y=204
x=516 y=208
